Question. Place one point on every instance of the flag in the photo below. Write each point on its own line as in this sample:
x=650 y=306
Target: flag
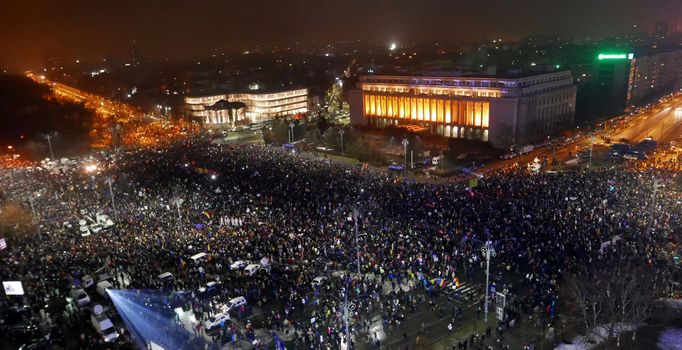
x=182 y=263
x=207 y=214
x=3 y=244
x=279 y=344
x=473 y=183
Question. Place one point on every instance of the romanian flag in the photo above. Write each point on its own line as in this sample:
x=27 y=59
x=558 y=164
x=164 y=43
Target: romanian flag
x=207 y=214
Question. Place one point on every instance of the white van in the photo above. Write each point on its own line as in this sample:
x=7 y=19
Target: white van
x=199 y=258
x=104 y=327
x=102 y=288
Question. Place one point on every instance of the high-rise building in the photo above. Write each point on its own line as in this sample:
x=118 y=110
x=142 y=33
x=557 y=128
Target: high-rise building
x=500 y=110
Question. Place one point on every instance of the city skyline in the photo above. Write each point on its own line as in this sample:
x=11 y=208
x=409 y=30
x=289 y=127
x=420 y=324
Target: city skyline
x=178 y=29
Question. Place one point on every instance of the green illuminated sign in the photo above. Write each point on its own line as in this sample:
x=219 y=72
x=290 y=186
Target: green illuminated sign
x=616 y=56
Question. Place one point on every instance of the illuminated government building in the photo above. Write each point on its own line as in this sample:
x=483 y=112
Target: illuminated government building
x=224 y=109
x=502 y=111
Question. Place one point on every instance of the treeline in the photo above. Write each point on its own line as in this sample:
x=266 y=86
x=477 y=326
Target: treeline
x=27 y=109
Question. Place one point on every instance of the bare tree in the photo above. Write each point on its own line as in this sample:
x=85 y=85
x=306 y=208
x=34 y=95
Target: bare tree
x=615 y=296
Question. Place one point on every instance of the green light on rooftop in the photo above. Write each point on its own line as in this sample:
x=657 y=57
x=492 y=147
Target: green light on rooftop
x=616 y=56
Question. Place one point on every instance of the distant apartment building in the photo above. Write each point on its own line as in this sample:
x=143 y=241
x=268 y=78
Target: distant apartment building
x=653 y=75
x=500 y=110
x=246 y=107
x=614 y=81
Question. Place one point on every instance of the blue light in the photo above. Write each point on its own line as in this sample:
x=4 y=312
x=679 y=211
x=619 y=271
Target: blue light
x=150 y=318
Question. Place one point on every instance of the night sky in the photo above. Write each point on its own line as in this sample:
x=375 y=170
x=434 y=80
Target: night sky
x=90 y=29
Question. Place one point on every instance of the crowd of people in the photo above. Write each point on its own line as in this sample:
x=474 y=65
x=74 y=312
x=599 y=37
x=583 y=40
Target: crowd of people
x=255 y=202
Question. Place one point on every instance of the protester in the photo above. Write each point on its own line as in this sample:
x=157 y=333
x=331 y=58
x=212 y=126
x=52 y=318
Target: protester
x=254 y=202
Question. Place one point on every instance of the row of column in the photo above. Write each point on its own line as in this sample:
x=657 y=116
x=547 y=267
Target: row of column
x=464 y=113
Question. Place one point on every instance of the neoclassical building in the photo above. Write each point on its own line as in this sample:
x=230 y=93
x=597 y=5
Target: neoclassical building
x=500 y=110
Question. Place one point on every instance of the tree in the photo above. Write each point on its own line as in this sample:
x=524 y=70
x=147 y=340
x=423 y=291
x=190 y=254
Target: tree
x=278 y=133
x=615 y=295
x=322 y=123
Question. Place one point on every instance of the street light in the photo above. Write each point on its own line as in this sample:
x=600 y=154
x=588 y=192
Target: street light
x=110 y=182
x=49 y=143
x=488 y=249
x=178 y=202
x=291 y=128
x=405 y=142
x=341 y=132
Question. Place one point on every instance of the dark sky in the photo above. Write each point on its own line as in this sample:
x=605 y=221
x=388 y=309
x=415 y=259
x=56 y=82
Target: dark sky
x=92 y=28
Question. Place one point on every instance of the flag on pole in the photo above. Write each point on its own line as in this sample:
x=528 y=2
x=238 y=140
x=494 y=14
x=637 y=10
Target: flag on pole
x=279 y=344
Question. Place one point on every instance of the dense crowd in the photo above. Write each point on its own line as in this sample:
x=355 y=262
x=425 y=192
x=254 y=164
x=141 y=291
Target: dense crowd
x=299 y=213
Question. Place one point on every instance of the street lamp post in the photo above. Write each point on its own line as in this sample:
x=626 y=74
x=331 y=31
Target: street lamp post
x=657 y=183
x=291 y=127
x=341 y=132
x=405 y=142
x=357 y=242
x=49 y=143
x=178 y=202
x=33 y=209
x=488 y=249
x=347 y=308
x=110 y=182
x=591 y=151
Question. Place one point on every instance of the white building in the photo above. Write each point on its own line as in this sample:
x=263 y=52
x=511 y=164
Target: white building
x=503 y=111
x=247 y=107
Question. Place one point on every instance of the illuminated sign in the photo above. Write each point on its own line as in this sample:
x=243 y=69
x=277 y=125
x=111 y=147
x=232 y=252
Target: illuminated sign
x=616 y=56
x=13 y=287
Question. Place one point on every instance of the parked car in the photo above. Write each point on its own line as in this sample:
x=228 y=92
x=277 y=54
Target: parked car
x=216 y=321
x=166 y=278
x=251 y=269
x=87 y=281
x=80 y=297
x=102 y=288
x=104 y=327
x=238 y=265
x=318 y=281
x=235 y=303
x=209 y=290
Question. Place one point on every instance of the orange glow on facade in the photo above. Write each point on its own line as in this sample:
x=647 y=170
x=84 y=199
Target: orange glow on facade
x=452 y=118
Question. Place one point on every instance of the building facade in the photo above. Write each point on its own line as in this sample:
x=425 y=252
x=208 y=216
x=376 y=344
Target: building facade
x=247 y=107
x=502 y=111
x=653 y=75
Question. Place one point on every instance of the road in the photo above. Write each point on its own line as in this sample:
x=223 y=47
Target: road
x=663 y=122
x=103 y=106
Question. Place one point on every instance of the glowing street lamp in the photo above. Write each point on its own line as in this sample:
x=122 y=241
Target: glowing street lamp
x=341 y=132
x=488 y=250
